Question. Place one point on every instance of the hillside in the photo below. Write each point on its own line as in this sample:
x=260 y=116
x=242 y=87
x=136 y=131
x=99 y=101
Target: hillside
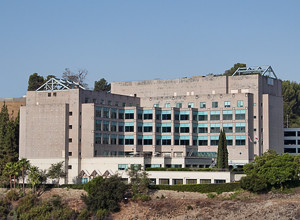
x=174 y=205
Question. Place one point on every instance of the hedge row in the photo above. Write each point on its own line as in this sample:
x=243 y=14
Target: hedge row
x=201 y=188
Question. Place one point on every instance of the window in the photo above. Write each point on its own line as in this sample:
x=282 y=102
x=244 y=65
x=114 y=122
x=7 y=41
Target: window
x=176 y=115
x=178 y=105
x=147 y=127
x=228 y=127
x=113 y=126
x=166 y=127
x=254 y=104
x=70 y=140
x=214 y=140
x=148 y=114
x=98 y=111
x=202 y=140
x=147 y=139
x=195 y=139
x=227 y=104
x=49 y=94
x=177 y=126
x=167 y=105
x=54 y=93
x=289 y=142
x=240 y=114
x=129 y=139
x=191 y=181
x=177 y=181
x=140 y=115
x=214 y=104
x=203 y=128
x=113 y=139
x=140 y=127
x=164 y=182
x=70 y=126
x=166 y=115
x=191 y=105
x=105 y=112
x=214 y=128
x=70 y=113
x=129 y=126
x=121 y=127
x=70 y=154
x=121 y=139
x=129 y=113
x=240 y=140
x=184 y=128
x=166 y=140
x=202 y=104
x=158 y=140
x=158 y=127
x=155 y=105
x=202 y=116
x=70 y=167
x=113 y=113
x=195 y=116
x=240 y=103
x=229 y=140
x=105 y=139
x=140 y=140
x=195 y=128
x=116 y=103
x=220 y=181
x=105 y=125
x=97 y=138
x=205 y=181
x=158 y=115
x=290 y=133
x=215 y=115
x=240 y=127
x=121 y=114
x=227 y=115
x=98 y=125
x=184 y=115
x=122 y=166
x=290 y=150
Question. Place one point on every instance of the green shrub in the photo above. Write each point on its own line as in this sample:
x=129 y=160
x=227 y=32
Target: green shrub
x=84 y=214
x=202 y=188
x=104 y=194
x=142 y=197
x=12 y=195
x=254 y=183
x=4 y=208
x=211 y=195
x=101 y=214
x=189 y=207
x=26 y=203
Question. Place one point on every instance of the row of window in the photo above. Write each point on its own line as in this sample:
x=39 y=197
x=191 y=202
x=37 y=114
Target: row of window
x=291 y=150
x=214 y=104
x=166 y=114
x=291 y=142
x=165 y=140
x=166 y=127
x=291 y=133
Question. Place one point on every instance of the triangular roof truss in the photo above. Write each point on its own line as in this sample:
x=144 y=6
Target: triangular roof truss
x=54 y=84
x=262 y=70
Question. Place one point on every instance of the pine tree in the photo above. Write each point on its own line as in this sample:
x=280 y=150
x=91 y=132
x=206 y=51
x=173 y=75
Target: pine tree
x=222 y=158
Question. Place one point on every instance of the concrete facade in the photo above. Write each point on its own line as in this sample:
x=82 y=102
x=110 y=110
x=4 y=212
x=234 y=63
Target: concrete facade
x=156 y=123
x=292 y=140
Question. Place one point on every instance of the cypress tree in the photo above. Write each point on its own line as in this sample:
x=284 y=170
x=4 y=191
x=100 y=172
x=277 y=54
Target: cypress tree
x=222 y=157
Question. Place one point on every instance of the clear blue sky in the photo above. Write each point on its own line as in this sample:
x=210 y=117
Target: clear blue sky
x=139 y=40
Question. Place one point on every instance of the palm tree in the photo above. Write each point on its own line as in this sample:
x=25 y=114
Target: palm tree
x=34 y=177
x=9 y=170
x=16 y=172
x=24 y=165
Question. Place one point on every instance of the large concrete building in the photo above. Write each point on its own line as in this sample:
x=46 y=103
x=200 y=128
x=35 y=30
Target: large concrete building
x=155 y=123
